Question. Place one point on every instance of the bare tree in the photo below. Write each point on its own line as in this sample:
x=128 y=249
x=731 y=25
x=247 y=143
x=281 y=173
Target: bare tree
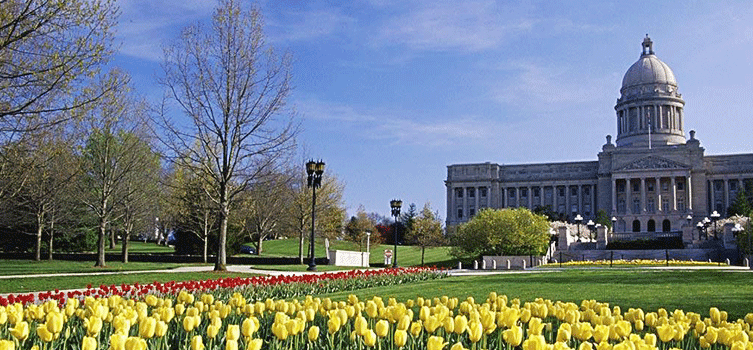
x=233 y=88
x=49 y=51
x=190 y=207
x=263 y=208
x=111 y=154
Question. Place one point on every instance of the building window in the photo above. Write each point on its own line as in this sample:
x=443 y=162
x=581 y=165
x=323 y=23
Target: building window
x=562 y=191
x=573 y=191
x=511 y=193
x=586 y=191
x=636 y=206
x=621 y=205
x=665 y=186
x=665 y=205
x=471 y=192
x=524 y=192
x=574 y=209
x=717 y=185
x=651 y=226
x=666 y=226
x=459 y=192
x=587 y=210
x=620 y=187
x=680 y=186
x=733 y=186
x=471 y=212
x=482 y=191
x=636 y=186
x=561 y=208
x=650 y=186
x=537 y=192
x=681 y=203
x=636 y=226
x=460 y=213
x=650 y=205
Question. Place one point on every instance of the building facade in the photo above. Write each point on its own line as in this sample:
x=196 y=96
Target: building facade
x=651 y=179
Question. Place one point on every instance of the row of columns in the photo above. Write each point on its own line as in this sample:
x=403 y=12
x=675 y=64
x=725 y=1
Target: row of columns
x=504 y=202
x=673 y=121
x=629 y=196
x=726 y=193
x=477 y=200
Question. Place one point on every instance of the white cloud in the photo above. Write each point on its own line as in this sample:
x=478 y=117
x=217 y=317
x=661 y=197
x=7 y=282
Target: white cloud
x=448 y=25
x=395 y=127
x=536 y=87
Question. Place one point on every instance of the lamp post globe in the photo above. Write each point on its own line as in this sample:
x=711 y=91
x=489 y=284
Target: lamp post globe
x=395 y=205
x=578 y=219
x=314 y=171
x=614 y=223
x=591 y=226
x=714 y=217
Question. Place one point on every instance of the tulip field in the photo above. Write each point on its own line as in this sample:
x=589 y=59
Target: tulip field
x=288 y=313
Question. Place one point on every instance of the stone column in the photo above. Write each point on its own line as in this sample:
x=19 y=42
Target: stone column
x=628 y=196
x=643 y=195
x=555 y=197
x=517 y=197
x=673 y=185
x=689 y=193
x=726 y=195
x=504 y=197
x=580 y=198
x=542 y=194
x=614 y=196
x=530 y=198
x=465 y=203
x=476 y=198
x=567 y=200
x=713 y=195
x=657 y=195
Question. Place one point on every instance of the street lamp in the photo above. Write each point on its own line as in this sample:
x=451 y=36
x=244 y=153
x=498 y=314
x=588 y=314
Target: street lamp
x=614 y=222
x=314 y=171
x=714 y=217
x=700 y=229
x=590 y=225
x=706 y=222
x=395 y=205
x=578 y=219
x=689 y=218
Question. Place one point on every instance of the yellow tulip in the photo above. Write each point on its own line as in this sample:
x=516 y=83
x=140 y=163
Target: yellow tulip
x=535 y=326
x=650 y=339
x=415 y=328
x=212 y=331
x=189 y=323
x=457 y=346
x=333 y=325
x=160 y=329
x=7 y=345
x=89 y=343
x=604 y=346
x=361 y=325
x=435 y=343
x=369 y=338
x=382 y=327
x=231 y=344
x=431 y=323
x=666 y=332
x=448 y=324
x=44 y=334
x=513 y=336
x=716 y=315
x=535 y=342
x=197 y=343
x=475 y=331
x=585 y=346
x=249 y=326
x=400 y=337
x=559 y=346
x=54 y=322
x=254 y=344
x=233 y=332
x=705 y=344
x=117 y=341
x=280 y=331
x=404 y=322
x=147 y=327
x=313 y=333
x=564 y=333
x=712 y=333
x=601 y=333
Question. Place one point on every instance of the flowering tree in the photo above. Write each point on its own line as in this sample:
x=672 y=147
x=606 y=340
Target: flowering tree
x=515 y=231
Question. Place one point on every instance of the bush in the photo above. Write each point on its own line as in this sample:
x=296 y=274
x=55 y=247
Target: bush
x=502 y=232
x=82 y=240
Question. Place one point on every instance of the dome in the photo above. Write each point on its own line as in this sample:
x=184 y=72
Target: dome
x=648 y=70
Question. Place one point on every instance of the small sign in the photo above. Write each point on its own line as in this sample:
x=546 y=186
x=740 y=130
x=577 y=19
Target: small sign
x=388 y=253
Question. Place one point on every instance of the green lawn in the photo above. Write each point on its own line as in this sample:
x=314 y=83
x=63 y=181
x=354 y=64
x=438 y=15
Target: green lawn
x=30 y=267
x=22 y=285
x=696 y=290
x=406 y=255
x=142 y=247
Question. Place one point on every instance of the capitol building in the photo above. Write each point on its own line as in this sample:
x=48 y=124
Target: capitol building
x=650 y=178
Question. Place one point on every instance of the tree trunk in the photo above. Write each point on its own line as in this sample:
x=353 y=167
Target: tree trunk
x=40 y=228
x=300 y=246
x=112 y=238
x=205 y=236
x=423 y=250
x=222 y=239
x=101 y=243
x=124 y=247
x=258 y=249
x=52 y=234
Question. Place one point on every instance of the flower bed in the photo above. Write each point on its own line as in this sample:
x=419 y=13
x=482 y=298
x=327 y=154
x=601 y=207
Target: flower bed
x=216 y=318
x=634 y=262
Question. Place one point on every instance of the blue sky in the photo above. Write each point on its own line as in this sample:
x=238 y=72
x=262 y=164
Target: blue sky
x=391 y=92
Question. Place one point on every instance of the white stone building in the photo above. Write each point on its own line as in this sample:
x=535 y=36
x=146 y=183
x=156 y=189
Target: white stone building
x=650 y=179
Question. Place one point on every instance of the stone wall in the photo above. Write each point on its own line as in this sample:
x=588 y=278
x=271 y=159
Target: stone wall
x=348 y=258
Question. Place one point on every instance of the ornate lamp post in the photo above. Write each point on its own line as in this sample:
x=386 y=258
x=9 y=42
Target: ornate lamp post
x=714 y=217
x=395 y=205
x=699 y=225
x=689 y=218
x=706 y=224
x=614 y=223
x=591 y=227
x=578 y=219
x=314 y=171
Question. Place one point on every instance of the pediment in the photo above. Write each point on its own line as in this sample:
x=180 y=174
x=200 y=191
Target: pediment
x=653 y=163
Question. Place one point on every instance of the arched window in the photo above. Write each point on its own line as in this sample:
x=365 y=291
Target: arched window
x=636 y=226
x=666 y=226
x=651 y=226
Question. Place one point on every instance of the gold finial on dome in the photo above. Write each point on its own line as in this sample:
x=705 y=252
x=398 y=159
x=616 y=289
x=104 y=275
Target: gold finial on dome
x=648 y=46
